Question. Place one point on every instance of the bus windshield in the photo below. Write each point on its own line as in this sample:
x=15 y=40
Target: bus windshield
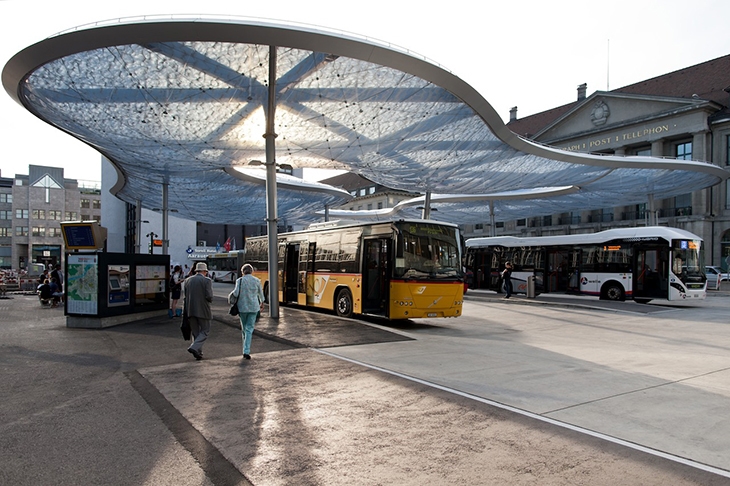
x=689 y=258
x=426 y=250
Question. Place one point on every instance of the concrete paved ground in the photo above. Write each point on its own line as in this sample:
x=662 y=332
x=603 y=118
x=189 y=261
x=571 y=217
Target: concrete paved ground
x=514 y=392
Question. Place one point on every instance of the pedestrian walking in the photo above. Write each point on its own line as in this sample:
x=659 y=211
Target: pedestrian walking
x=249 y=298
x=176 y=279
x=198 y=294
x=507 y=279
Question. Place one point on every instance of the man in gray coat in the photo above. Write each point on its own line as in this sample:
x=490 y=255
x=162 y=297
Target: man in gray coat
x=198 y=294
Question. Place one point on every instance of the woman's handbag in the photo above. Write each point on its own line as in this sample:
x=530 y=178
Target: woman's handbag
x=234 y=305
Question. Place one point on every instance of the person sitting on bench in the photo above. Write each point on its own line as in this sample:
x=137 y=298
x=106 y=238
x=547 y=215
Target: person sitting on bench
x=44 y=293
x=56 y=293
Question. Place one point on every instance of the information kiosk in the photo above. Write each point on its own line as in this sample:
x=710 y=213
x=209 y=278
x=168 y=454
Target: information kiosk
x=106 y=289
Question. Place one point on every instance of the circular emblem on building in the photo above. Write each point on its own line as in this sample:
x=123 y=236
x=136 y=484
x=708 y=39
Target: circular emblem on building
x=600 y=113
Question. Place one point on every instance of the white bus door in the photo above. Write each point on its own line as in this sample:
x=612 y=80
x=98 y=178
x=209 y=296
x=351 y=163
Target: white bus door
x=651 y=278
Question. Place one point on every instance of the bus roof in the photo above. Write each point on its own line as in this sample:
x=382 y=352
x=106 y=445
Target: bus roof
x=664 y=232
x=344 y=224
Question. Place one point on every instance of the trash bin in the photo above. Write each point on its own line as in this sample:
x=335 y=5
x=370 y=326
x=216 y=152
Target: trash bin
x=531 y=287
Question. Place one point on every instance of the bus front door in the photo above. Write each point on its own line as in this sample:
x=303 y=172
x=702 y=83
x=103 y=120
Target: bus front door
x=650 y=273
x=558 y=271
x=481 y=268
x=306 y=276
x=374 y=276
x=291 y=273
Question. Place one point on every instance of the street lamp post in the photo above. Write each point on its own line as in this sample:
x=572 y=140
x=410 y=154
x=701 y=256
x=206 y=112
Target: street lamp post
x=152 y=237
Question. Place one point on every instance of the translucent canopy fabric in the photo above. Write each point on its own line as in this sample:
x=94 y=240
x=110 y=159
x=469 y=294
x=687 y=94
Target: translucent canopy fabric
x=183 y=102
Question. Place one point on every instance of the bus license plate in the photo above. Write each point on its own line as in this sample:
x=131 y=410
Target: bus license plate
x=431 y=314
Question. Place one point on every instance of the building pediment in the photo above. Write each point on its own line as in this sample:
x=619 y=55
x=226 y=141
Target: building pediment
x=608 y=111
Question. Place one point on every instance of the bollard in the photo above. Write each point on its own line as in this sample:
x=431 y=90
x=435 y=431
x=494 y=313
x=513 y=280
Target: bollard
x=531 y=287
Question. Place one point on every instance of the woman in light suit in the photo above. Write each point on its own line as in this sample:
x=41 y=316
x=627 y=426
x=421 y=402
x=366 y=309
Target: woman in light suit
x=250 y=301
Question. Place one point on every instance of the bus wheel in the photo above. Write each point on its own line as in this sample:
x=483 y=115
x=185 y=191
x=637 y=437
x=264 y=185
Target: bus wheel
x=612 y=291
x=343 y=303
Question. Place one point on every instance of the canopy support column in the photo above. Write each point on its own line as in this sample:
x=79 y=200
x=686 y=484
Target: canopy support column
x=492 y=229
x=138 y=225
x=651 y=212
x=271 y=216
x=426 y=213
x=165 y=211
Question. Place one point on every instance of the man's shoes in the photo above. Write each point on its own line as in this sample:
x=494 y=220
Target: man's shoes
x=195 y=353
x=247 y=356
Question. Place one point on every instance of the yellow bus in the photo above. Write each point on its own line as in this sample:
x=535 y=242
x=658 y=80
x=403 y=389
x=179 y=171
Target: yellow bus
x=396 y=270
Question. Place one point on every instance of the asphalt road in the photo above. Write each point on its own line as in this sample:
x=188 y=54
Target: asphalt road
x=513 y=392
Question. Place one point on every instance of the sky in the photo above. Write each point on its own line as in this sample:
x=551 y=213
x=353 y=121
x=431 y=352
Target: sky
x=531 y=54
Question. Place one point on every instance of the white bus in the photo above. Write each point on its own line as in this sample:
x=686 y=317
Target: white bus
x=225 y=267
x=642 y=263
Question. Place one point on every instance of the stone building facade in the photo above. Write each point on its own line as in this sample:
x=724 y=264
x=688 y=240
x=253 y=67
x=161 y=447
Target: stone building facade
x=32 y=207
x=683 y=114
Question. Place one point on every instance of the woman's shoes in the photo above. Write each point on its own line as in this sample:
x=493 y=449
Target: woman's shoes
x=247 y=356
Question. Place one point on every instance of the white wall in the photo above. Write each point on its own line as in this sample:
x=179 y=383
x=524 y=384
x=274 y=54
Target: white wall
x=181 y=232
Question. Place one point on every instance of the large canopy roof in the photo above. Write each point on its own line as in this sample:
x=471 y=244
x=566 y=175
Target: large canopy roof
x=184 y=102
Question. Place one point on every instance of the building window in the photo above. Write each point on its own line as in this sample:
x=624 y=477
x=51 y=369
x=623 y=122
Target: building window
x=96 y=204
x=380 y=205
x=55 y=214
x=5 y=232
x=362 y=192
x=682 y=205
x=522 y=222
x=547 y=220
x=370 y=207
x=644 y=151
x=21 y=231
x=21 y=214
x=39 y=231
x=39 y=214
x=371 y=190
x=54 y=232
x=85 y=203
x=71 y=215
x=479 y=226
x=85 y=217
x=6 y=198
x=6 y=214
x=683 y=151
